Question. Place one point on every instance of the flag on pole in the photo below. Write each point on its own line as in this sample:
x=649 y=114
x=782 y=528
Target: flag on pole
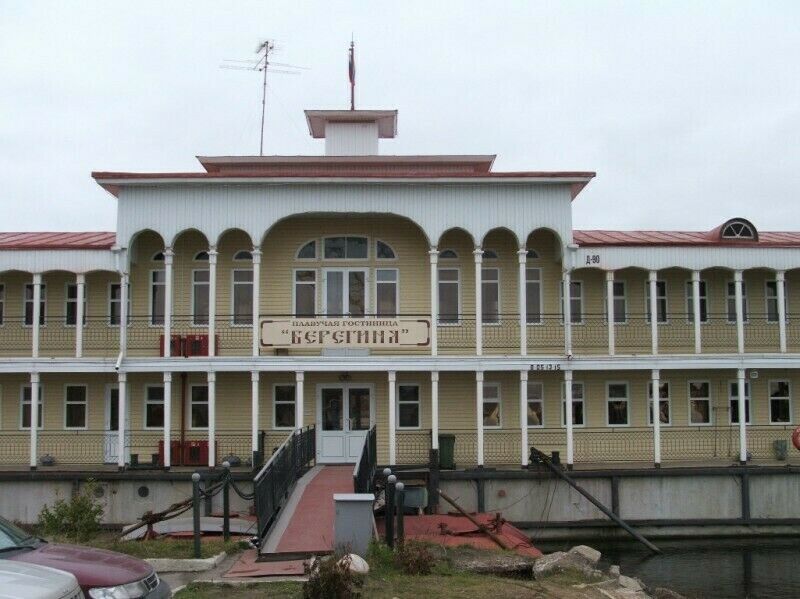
x=352 y=73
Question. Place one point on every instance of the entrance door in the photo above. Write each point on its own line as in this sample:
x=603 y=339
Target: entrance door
x=344 y=415
x=345 y=292
x=111 y=440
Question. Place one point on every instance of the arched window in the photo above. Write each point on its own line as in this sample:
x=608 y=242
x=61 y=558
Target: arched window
x=308 y=251
x=489 y=255
x=533 y=255
x=201 y=256
x=243 y=256
x=448 y=255
x=739 y=229
x=383 y=251
x=158 y=257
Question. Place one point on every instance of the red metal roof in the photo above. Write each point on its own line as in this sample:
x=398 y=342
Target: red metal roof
x=592 y=238
x=93 y=240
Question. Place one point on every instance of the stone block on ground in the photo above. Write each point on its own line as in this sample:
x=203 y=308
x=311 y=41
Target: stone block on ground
x=560 y=561
x=495 y=562
x=588 y=553
x=614 y=571
x=627 y=582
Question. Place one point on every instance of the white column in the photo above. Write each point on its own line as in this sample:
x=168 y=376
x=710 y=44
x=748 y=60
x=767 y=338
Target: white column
x=212 y=419
x=299 y=380
x=479 y=410
x=34 y=420
x=655 y=404
x=167 y=419
x=254 y=410
x=566 y=294
x=478 y=254
x=523 y=416
x=568 y=416
x=522 y=255
x=610 y=311
x=122 y=411
x=168 y=258
x=212 y=300
x=435 y=410
x=124 y=290
x=652 y=280
x=780 y=289
x=256 y=300
x=742 y=416
x=433 y=254
x=80 y=281
x=698 y=348
x=737 y=284
x=37 y=314
x=392 y=417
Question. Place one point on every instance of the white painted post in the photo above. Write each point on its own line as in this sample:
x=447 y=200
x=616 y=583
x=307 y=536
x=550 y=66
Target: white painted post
x=122 y=411
x=742 y=416
x=478 y=254
x=167 y=419
x=392 y=417
x=610 y=311
x=566 y=296
x=652 y=280
x=254 y=409
x=256 y=300
x=34 y=420
x=698 y=347
x=655 y=404
x=780 y=289
x=299 y=380
x=739 y=299
x=522 y=255
x=37 y=314
x=523 y=416
x=212 y=300
x=169 y=255
x=124 y=291
x=433 y=254
x=479 y=410
x=568 y=417
x=80 y=281
x=434 y=409
x=212 y=419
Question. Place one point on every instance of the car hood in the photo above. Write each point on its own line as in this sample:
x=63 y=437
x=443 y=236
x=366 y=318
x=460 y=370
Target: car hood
x=92 y=567
x=27 y=580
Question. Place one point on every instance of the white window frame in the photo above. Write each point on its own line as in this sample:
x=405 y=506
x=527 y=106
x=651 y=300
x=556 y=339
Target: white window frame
x=626 y=399
x=788 y=398
x=707 y=399
x=624 y=298
x=85 y=403
x=150 y=289
x=770 y=297
x=275 y=403
x=68 y=301
x=303 y=245
x=237 y=259
x=346 y=270
x=730 y=296
x=498 y=401
x=418 y=403
x=455 y=255
x=667 y=399
x=529 y=401
x=390 y=246
x=689 y=292
x=111 y=301
x=192 y=403
x=147 y=401
x=457 y=283
x=573 y=298
x=234 y=284
x=322 y=256
x=315 y=284
x=194 y=287
x=484 y=281
x=396 y=284
x=42 y=302
x=22 y=402
x=659 y=298
x=748 y=402
x=581 y=401
x=540 y=285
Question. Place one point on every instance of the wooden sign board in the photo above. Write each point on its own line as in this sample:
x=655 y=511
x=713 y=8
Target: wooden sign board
x=384 y=333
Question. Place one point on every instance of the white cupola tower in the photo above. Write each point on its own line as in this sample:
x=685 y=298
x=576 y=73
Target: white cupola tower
x=352 y=132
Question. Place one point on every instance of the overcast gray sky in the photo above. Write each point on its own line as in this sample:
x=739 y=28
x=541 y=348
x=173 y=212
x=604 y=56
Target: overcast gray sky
x=688 y=111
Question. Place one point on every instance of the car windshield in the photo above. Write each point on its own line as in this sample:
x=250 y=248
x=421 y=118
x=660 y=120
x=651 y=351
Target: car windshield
x=12 y=536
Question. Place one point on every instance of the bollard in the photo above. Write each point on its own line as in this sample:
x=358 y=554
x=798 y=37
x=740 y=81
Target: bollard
x=226 y=503
x=390 y=496
x=196 y=512
x=400 y=506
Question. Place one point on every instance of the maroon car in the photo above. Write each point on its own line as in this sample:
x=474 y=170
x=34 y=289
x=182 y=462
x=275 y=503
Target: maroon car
x=102 y=574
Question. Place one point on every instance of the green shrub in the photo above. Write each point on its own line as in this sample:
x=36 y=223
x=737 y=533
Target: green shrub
x=77 y=519
x=414 y=558
x=331 y=578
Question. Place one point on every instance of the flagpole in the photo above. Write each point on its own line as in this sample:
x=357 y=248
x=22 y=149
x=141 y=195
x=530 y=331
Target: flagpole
x=352 y=76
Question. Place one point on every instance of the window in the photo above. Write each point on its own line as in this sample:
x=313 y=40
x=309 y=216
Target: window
x=738 y=229
x=491 y=405
x=71 y=307
x=115 y=304
x=661 y=300
x=408 y=411
x=75 y=406
x=449 y=296
x=242 y=297
x=489 y=255
x=617 y=404
x=346 y=248
x=780 y=403
x=448 y=255
x=2 y=302
x=243 y=256
x=535 y=404
x=699 y=402
x=577 y=405
x=665 y=416
x=25 y=407
x=386 y=291
x=690 y=302
x=198 y=406
x=154 y=407
x=29 y=304
x=532 y=255
x=732 y=301
x=201 y=256
x=305 y=293
x=575 y=301
x=533 y=295
x=733 y=398
x=490 y=291
x=200 y=296
x=620 y=302
x=772 y=301
x=158 y=289
x=283 y=406
x=158 y=257
x=383 y=251
x=308 y=251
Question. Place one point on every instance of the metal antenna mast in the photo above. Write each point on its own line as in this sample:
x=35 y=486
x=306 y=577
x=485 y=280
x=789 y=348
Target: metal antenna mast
x=267 y=46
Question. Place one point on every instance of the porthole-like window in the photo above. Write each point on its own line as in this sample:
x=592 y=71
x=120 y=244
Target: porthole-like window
x=489 y=255
x=448 y=255
x=308 y=251
x=533 y=255
x=383 y=251
x=201 y=256
x=739 y=229
x=158 y=257
x=243 y=256
x=143 y=491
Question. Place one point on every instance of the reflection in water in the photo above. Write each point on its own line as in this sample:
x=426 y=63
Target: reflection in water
x=718 y=568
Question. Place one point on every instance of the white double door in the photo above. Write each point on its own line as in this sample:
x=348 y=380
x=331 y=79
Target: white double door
x=111 y=436
x=345 y=413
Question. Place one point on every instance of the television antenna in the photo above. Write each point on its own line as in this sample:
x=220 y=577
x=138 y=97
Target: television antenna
x=263 y=64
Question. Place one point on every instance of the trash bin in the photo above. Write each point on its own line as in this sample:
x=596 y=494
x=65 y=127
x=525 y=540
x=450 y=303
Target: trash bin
x=781 y=449
x=447 y=452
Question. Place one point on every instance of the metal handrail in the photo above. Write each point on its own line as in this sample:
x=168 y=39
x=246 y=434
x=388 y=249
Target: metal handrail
x=367 y=463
